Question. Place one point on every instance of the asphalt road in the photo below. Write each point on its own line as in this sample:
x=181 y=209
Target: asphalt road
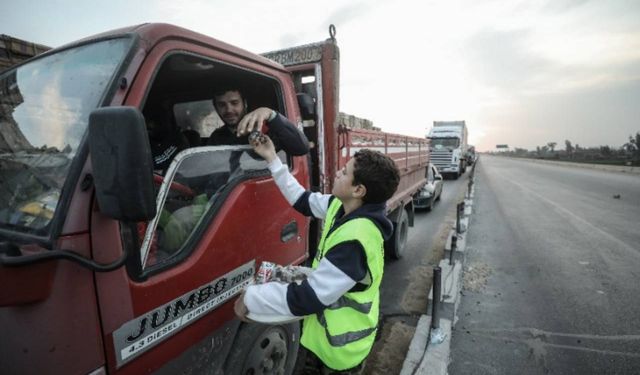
x=552 y=272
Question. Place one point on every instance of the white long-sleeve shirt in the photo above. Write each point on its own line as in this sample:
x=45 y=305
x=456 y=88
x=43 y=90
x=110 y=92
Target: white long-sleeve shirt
x=342 y=270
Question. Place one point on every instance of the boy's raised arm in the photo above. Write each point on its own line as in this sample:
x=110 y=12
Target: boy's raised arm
x=306 y=202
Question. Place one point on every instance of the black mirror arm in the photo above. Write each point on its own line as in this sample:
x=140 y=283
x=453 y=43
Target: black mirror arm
x=23 y=260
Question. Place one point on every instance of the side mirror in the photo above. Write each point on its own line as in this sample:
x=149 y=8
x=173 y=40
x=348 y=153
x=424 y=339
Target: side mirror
x=438 y=177
x=122 y=164
x=307 y=106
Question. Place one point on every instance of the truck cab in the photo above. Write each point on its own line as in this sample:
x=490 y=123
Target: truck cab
x=108 y=266
x=449 y=147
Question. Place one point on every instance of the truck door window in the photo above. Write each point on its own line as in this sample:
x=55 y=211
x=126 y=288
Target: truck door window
x=184 y=85
x=191 y=193
x=180 y=98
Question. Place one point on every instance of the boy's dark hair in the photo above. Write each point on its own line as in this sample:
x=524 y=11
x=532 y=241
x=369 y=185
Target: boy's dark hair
x=378 y=173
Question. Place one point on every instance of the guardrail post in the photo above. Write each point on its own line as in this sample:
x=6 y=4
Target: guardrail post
x=459 y=210
x=435 y=303
x=454 y=246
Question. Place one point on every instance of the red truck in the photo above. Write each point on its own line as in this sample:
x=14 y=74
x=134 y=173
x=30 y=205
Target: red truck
x=106 y=267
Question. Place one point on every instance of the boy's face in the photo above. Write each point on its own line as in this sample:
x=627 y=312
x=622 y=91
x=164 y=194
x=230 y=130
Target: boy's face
x=343 y=184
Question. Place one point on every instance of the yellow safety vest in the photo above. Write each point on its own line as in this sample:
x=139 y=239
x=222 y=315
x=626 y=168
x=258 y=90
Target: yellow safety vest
x=343 y=334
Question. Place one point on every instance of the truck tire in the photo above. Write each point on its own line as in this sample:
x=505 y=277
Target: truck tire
x=264 y=349
x=396 y=245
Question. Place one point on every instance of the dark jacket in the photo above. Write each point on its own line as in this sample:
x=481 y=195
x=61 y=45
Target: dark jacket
x=165 y=147
x=283 y=133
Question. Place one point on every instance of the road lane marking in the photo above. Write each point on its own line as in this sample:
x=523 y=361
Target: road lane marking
x=538 y=340
x=539 y=344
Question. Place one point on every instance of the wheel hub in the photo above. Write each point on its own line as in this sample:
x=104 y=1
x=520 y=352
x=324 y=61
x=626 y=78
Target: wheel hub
x=268 y=354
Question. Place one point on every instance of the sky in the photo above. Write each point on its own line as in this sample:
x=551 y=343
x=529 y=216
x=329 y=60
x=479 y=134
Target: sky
x=521 y=73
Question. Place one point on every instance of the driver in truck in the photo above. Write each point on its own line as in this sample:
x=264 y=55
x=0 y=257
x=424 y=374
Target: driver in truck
x=231 y=105
x=340 y=298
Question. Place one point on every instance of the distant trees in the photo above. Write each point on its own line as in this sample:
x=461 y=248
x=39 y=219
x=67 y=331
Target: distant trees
x=543 y=150
x=568 y=147
x=627 y=154
x=520 y=151
x=633 y=146
x=551 y=145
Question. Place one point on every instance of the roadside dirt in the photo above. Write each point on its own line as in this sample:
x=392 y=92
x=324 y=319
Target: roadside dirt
x=389 y=352
x=475 y=277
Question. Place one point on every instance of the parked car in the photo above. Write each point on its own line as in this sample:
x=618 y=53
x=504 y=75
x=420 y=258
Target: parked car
x=431 y=191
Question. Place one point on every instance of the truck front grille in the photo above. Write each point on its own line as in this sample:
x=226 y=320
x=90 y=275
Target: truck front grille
x=441 y=158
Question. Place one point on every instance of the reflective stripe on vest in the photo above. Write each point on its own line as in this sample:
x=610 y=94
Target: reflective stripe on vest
x=345 y=338
x=347 y=302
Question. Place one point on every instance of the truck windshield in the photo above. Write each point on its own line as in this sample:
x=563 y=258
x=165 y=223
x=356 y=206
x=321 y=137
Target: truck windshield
x=44 y=111
x=444 y=142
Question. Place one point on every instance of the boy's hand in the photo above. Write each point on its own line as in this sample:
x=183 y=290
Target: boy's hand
x=263 y=146
x=253 y=121
x=240 y=309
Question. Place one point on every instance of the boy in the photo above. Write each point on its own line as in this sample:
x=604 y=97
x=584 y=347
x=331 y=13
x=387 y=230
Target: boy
x=340 y=298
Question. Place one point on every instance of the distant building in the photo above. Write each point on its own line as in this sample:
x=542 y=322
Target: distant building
x=11 y=137
x=14 y=50
x=354 y=122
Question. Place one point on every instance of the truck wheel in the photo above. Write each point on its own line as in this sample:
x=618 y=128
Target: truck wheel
x=396 y=245
x=264 y=349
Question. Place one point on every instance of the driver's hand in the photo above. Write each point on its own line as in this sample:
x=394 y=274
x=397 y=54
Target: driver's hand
x=263 y=146
x=253 y=121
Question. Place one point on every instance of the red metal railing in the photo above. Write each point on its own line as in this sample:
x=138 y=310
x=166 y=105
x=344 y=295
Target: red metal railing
x=409 y=153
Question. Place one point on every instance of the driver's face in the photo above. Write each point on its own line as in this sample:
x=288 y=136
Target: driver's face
x=230 y=107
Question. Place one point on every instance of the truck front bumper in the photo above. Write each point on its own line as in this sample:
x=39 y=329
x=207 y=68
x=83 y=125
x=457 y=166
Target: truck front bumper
x=449 y=169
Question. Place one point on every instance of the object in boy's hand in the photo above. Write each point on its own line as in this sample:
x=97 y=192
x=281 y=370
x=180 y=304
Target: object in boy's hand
x=255 y=136
x=265 y=272
x=291 y=274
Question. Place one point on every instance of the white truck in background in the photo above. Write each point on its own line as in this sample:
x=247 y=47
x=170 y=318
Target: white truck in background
x=449 y=147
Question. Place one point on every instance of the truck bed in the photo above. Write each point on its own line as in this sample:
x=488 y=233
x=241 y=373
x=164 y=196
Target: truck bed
x=411 y=155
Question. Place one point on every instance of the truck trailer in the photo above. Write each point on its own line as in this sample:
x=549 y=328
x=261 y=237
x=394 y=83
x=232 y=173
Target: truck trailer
x=107 y=267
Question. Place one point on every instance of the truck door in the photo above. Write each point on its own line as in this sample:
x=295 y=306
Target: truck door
x=219 y=216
